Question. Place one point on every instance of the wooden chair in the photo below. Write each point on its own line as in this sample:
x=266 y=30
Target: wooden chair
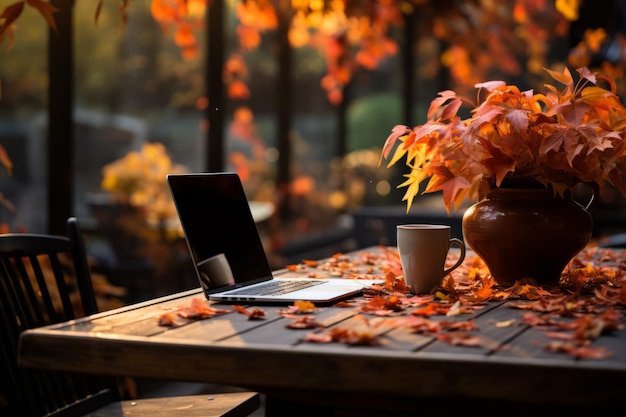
x=44 y=280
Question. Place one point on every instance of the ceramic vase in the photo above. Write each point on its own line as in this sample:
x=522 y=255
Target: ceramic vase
x=527 y=233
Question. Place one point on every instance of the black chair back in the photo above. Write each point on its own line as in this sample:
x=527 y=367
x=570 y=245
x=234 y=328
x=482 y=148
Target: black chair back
x=45 y=280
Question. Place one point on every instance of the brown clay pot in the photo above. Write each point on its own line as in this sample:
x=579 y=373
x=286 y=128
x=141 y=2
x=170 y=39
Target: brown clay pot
x=526 y=233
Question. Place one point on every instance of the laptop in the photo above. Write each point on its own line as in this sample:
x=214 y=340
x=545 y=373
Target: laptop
x=226 y=249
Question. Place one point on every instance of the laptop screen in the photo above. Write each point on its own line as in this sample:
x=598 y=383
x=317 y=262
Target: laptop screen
x=221 y=234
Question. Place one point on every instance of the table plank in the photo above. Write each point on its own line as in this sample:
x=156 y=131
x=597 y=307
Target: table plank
x=492 y=337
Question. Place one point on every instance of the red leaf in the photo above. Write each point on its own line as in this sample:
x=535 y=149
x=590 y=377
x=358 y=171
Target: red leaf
x=396 y=132
x=304 y=322
x=10 y=14
x=98 y=10
x=451 y=185
x=436 y=104
x=255 y=314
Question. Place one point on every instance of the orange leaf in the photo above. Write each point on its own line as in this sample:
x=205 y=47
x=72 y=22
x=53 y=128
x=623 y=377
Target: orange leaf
x=443 y=179
x=5 y=160
x=254 y=314
x=565 y=77
x=98 y=10
x=438 y=102
x=122 y=9
x=499 y=163
x=46 y=10
x=429 y=310
x=238 y=90
x=184 y=36
x=304 y=306
x=304 y=322
x=460 y=339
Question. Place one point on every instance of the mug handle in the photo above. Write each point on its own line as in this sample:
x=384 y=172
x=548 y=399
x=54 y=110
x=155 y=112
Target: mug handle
x=458 y=263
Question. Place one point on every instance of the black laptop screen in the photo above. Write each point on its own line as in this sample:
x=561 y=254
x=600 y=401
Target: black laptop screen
x=219 y=228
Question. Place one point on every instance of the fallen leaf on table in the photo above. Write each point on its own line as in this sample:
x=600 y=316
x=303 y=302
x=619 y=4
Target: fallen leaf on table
x=254 y=314
x=299 y=307
x=580 y=352
x=200 y=310
x=460 y=339
x=304 y=322
x=505 y=323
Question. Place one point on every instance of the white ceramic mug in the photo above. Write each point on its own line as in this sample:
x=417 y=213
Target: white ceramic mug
x=423 y=252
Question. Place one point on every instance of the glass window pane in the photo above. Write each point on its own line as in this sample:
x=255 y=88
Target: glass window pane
x=138 y=117
x=23 y=123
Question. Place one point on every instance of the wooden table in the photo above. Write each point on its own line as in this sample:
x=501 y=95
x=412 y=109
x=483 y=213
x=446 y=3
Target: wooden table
x=390 y=368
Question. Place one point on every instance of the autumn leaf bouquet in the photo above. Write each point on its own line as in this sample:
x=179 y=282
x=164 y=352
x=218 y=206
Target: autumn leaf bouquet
x=564 y=136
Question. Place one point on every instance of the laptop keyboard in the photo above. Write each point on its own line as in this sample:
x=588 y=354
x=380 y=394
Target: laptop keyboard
x=276 y=287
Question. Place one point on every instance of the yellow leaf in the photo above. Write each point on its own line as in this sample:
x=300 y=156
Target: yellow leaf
x=412 y=183
x=397 y=155
x=506 y=323
x=565 y=77
x=594 y=93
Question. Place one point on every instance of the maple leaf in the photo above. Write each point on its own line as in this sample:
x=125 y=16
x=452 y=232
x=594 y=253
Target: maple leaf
x=598 y=141
x=199 y=310
x=486 y=114
x=519 y=120
x=254 y=314
x=553 y=142
x=460 y=339
x=304 y=306
x=498 y=162
x=379 y=306
x=46 y=9
x=122 y=8
x=564 y=77
x=572 y=150
x=396 y=132
x=568 y=8
x=98 y=10
x=580 y=352
x=5 y=160
x=8 y=17
x=447 y=111
x=431 y=310
x=422 y=325
x=571 y=114
x=490 y=85
x=414 y=179
x=444 y=179
x=459 y=325
x=560 y=138
x=304 y=322
x=318 y=338
x=169 y=320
